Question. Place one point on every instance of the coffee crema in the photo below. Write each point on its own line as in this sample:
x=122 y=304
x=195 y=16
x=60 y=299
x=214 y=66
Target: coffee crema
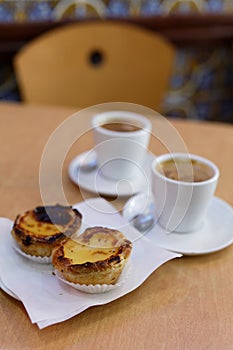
x=190 y=170
x=120 y=126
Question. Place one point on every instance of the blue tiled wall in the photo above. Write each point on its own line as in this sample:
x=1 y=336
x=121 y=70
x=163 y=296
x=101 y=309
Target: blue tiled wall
x=201 y=85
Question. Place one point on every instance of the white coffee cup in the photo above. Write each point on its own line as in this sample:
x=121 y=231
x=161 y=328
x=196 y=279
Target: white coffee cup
x=181 y=206
x=120 y=153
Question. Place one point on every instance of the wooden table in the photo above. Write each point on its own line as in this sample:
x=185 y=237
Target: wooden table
x=185 y=304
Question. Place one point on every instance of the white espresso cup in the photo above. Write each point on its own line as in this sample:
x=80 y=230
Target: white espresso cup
x=182 y=196
x=121 y=139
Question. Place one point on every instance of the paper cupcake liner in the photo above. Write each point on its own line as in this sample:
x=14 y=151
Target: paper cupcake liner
x=37 y=259
x=98 y=288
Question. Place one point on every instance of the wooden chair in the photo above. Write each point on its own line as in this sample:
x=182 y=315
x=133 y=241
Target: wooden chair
x=88 y=63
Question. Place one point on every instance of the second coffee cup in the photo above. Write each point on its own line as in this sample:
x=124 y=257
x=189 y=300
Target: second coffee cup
x=121 y=140
x=183 y=185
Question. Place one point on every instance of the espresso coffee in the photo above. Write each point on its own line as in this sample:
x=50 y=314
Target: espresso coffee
x=185 y=170
x=121 y=126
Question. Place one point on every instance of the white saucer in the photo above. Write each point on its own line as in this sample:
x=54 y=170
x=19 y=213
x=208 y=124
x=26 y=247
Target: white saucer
x=215 y=234
x=94 y=182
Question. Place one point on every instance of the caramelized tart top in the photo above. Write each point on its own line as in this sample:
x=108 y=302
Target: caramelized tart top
x=80 y=254
x=46 y=221
x=97 y=247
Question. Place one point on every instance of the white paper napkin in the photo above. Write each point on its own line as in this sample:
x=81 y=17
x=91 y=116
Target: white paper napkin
x=48 y=300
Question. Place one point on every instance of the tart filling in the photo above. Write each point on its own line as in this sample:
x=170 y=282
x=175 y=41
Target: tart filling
x=97 y=256
x=38 y=231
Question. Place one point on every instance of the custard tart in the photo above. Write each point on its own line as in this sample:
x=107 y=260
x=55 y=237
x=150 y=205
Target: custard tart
x=39 y=230
x=97 y=256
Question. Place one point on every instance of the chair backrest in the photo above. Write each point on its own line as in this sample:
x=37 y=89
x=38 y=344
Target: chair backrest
x=87 y=63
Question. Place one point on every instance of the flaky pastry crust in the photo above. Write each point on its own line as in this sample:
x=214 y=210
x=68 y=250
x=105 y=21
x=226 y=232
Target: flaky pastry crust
x=38 y=231
x=97 y=256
